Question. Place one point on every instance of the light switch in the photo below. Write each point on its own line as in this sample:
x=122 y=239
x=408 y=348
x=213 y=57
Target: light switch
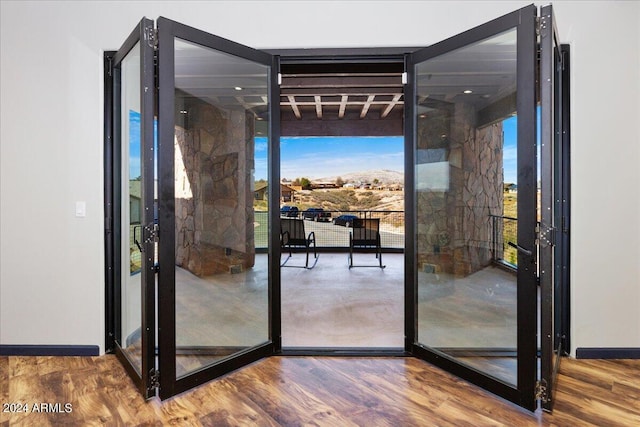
x=81 y=209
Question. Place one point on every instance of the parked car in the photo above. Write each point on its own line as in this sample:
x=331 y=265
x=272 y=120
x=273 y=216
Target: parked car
x=316 y=214
x=346 y=220
x=289 y=211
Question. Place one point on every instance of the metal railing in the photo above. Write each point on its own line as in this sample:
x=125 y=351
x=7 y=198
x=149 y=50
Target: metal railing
x=504 y=236
x=330 y=235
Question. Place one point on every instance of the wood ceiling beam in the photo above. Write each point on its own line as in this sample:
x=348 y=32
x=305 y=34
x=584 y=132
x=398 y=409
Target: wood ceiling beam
x=338 y=103
x=336 y=82
x=318 y=106
x=241 y=102
x=393 y=103
x=343 y=106
x=294 y=106
x=366 y=106
x=363 y=91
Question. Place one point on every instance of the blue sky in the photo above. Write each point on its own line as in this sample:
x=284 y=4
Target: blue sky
x=319 y=157
x=134 y=144
x=509 y=155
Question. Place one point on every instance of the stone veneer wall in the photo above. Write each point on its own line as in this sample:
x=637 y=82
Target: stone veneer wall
x=214 y=157
x=453 y=226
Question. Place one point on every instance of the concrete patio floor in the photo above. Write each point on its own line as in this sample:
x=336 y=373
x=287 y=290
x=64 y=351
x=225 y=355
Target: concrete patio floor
x=332 y=306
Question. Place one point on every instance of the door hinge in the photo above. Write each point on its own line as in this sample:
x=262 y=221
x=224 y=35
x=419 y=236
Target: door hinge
x=154 y=379
x=152 y=37
x=546 y=235
x=152 y=233
x=542 y=393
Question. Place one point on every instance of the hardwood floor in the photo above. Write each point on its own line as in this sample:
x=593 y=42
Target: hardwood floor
x=286 y=391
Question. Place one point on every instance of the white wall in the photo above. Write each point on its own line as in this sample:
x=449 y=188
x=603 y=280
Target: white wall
x=51 y=271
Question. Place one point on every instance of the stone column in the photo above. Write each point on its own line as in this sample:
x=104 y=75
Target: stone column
x=214 y=158
x=454 y=227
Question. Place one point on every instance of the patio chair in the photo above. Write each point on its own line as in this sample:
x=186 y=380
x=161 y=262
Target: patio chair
x=365 y=237
x=293 y=236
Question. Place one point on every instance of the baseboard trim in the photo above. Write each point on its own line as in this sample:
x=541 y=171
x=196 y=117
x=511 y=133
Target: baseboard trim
x=608 y=353
x=49 y=350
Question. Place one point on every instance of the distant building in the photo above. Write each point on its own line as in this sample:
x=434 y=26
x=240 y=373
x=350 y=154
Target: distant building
x=286 y=193
x=323 y=184
x=135 y=201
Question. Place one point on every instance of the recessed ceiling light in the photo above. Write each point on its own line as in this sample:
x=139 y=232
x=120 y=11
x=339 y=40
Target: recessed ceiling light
x=237 y=88
x=468 y=91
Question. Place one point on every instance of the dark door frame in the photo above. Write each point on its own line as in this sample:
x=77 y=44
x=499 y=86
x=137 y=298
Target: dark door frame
x=316 y=57
x=348 y=61
x=168 y=31
x=524 y=20
x=112 y=195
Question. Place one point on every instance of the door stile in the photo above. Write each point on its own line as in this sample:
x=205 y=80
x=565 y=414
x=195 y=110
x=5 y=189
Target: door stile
x=166 y=209
x=565 y=173
x=142 y=373
x=551 y=158
x=410 y=270
x=110 y=172
x=273 y=160
x=149 y=232
x=527 y=208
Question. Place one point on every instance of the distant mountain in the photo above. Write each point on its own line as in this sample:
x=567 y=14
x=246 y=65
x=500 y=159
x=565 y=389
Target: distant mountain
x=384 y=176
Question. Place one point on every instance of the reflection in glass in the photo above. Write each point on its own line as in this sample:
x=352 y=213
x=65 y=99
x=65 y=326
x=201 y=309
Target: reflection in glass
x=221 y=283
x=131 y=188
x=465 y=156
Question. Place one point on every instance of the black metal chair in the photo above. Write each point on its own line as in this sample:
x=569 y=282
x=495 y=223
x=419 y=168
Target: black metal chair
x=365 y=237
x=293 y=236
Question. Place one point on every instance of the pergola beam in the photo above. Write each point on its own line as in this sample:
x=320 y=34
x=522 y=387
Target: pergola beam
x=365 y=107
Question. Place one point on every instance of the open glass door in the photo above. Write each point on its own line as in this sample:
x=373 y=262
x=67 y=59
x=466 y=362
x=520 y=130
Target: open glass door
x=471 y=280
x=552 y=200
x=133 y=210
x=217 y=114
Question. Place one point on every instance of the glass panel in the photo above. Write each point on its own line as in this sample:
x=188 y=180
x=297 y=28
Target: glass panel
x=221 y=282
x=131 y=182
x=465 y=187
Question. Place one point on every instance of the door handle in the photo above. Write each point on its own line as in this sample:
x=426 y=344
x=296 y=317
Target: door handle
x=135 y=237
x=520 y=249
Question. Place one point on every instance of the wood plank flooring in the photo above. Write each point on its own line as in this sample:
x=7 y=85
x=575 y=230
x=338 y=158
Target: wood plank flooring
x=292 y=391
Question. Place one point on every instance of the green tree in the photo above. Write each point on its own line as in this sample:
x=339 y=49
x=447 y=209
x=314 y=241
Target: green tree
x=339 y=181
x=305 y=183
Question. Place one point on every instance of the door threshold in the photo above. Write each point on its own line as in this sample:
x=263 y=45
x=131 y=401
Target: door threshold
x=345 y=351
